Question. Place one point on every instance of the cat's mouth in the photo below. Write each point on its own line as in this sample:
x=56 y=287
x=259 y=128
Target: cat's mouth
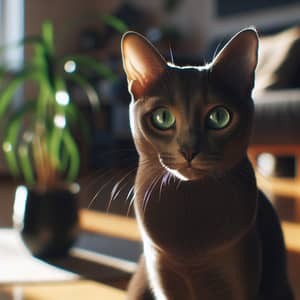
x=190 y=173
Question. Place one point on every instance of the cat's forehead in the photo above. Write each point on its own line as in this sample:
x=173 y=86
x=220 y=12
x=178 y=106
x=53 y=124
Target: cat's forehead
x=186 y=78
x=188 y=74
x=187 y=82
x=193 y=86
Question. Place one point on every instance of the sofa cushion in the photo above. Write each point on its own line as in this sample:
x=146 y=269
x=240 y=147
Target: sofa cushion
x=279 y=61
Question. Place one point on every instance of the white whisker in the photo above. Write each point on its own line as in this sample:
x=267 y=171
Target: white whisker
x=114 y=194
x=99 y=191
x=150 y=190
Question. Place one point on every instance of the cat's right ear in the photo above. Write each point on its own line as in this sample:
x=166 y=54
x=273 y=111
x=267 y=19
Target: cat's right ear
x=235 y=64
x=142 y=63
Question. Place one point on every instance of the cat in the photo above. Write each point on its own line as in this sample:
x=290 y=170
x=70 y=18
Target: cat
x=208 y=232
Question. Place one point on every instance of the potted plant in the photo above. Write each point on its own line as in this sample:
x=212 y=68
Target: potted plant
x=39 y=145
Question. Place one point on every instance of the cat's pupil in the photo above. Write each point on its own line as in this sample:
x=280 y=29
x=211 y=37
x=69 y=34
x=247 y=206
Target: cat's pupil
x=219 y=118
x=163 y=119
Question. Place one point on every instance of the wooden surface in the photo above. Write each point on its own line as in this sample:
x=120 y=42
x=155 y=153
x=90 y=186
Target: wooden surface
x=280 y=187
x=78 y=290
x=109 y=224
x=274 y=149
x=292 y=236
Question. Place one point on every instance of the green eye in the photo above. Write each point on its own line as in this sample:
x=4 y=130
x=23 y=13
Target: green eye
x=162 y=119
x=218 y=118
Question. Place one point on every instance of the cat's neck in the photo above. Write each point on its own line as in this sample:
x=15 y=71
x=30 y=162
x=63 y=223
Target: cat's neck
x=206 y=214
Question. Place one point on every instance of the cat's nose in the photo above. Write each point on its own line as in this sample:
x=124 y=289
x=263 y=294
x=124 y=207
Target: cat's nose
x=188 y=153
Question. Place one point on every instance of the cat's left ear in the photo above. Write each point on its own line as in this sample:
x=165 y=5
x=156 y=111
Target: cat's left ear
x=235 y=64
x=142 y=63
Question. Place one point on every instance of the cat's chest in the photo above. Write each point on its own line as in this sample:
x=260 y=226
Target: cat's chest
x=192 y=219
x=231 y=274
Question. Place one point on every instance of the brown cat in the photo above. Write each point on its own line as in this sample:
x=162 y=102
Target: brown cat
x=208 y=233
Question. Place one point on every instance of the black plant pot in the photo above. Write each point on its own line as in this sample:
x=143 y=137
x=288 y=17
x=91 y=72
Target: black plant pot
x=47 y=221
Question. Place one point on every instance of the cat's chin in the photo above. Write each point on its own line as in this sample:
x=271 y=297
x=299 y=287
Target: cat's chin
x=189 y=174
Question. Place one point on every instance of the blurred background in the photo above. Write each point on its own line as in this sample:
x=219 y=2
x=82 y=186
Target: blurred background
x=60 y=62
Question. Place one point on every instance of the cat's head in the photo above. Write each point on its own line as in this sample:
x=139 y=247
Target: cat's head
x=193 y=121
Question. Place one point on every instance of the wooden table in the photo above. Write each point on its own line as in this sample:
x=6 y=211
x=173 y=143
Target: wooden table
x=25 y=278
x=81 y=261
x=77 y=290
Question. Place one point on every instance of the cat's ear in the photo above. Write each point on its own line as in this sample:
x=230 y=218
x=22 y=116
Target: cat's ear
x=142 y=63
x=236 y=62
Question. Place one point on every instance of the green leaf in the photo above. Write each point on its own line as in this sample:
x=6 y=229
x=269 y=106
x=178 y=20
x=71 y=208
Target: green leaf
x=47 y=35
x=13 y=128
x=55 y=144
x=43 y=99
x=64 y=159
x=115 y=23
x=25 y=162
x=72 y=150
x=60 y=84
x=43 y=60
x=11 y=159
x=11 y=88
x=2 y=71
x=2 y=75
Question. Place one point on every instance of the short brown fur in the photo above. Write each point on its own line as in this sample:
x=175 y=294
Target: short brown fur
x=202 y=218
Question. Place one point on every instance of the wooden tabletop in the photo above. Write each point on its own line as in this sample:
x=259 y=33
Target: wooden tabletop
x=77 y=290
